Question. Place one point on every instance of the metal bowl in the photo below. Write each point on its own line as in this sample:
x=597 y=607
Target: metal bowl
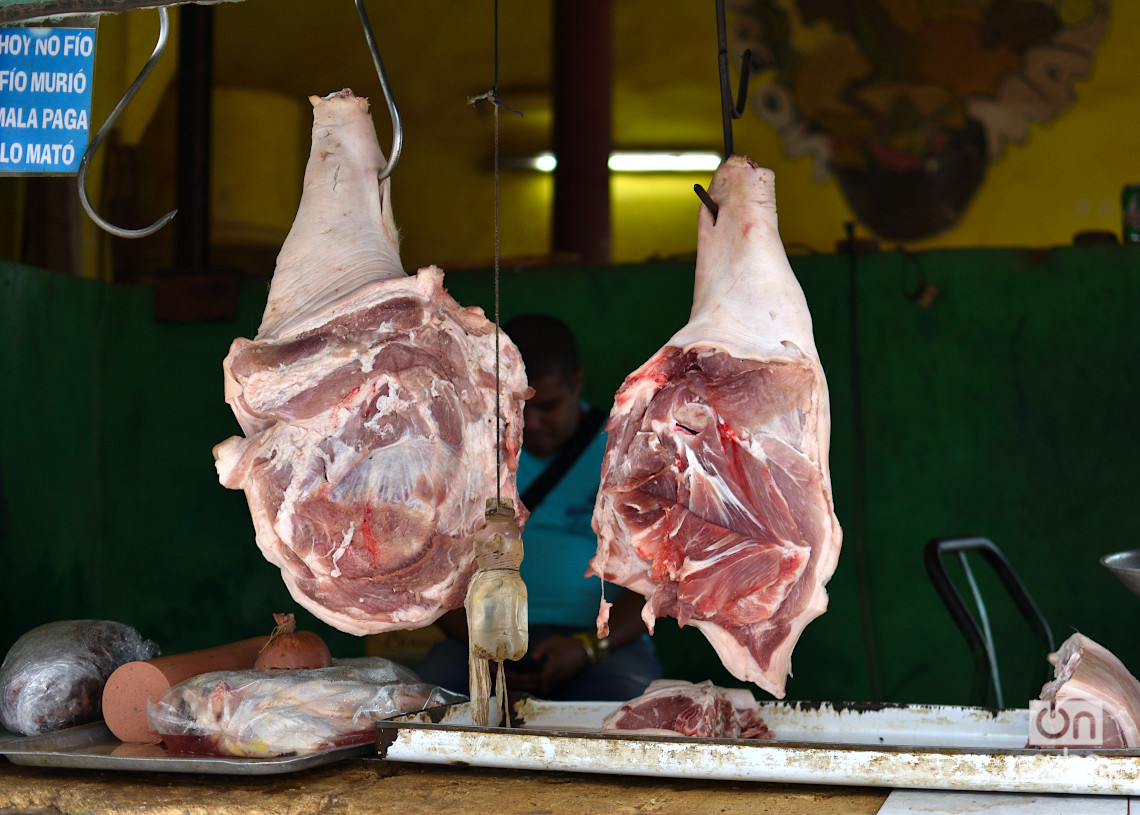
x=1126 y=566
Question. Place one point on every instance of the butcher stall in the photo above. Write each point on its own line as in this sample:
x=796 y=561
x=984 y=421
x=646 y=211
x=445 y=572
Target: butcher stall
x=844 y=759
x=264 y=463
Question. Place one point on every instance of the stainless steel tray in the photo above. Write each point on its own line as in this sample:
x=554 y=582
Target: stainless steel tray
x=93 y=747
x=901 y=746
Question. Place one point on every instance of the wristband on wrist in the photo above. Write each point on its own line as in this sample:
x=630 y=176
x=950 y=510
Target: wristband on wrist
x=587 y=643
x=596 y=649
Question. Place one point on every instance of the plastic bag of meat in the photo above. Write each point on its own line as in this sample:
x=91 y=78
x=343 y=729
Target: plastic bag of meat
x=704 y=710
x=265 y=713
x=53 y=676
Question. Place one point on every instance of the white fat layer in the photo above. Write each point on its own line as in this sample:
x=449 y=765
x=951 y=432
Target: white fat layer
x=386 y=406
x=368 y=359
x=338 y=552
x=691 y=566
x=338 y=461
x=390 y=475
x=726 y=499
x=269 y=389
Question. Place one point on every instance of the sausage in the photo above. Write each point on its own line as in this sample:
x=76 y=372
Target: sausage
x=133 y=684
x=53 y=676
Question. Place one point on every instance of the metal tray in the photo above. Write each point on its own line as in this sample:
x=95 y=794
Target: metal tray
x=900 y=746
x=93 y=747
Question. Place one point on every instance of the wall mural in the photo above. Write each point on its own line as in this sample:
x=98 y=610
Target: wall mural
x=906 y=102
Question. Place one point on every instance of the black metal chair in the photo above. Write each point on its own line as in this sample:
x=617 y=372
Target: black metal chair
x=977 y=631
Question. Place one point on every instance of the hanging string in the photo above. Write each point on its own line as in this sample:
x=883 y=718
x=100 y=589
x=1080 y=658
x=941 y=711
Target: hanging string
x=498 y=390
x=492 y=96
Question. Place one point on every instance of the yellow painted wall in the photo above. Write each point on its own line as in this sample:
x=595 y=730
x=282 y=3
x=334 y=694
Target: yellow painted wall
x=1066 y=178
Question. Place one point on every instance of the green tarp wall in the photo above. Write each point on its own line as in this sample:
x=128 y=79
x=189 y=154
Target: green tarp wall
x=1005 y=407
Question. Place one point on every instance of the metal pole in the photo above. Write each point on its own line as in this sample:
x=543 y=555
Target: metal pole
x=195 y=80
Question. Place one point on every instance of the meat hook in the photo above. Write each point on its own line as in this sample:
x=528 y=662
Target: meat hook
x=84 y=164
x=397 y=126
x=728 y=111
x=706 y=199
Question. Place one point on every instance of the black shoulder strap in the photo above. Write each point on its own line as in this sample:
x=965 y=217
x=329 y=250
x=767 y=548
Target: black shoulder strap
x=548 y=479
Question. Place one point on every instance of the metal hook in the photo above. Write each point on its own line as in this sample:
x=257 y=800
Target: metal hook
x=81 y=179
x=742 y=89
x=706 y=199
x=397 y=127
x=728 y=111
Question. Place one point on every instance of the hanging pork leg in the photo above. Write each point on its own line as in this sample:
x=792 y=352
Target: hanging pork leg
x=716 y=500
x=368 y=404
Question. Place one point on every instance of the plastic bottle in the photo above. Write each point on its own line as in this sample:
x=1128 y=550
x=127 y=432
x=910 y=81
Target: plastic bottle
x=496 y=605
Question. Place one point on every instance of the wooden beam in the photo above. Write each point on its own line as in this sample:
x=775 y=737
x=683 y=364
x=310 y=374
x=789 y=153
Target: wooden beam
x=582 y=138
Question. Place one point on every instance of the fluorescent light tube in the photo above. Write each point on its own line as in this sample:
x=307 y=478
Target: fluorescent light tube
x=629 y=161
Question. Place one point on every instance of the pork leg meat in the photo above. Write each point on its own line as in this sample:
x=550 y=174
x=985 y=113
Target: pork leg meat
x=671 y=706
x=1085 y=671
x=715 y=501
x=367 y=400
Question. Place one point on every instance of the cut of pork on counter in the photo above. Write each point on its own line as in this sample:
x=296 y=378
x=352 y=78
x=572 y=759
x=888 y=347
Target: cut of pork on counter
x=368 y=404
x=715 y=501
x=704 y=710
x=1086 y=672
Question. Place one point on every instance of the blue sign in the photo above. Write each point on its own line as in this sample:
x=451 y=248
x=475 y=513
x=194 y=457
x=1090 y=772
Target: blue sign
x=45 y=98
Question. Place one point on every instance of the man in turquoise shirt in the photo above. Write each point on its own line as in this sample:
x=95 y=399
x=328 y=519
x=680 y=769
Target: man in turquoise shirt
x=558 y=477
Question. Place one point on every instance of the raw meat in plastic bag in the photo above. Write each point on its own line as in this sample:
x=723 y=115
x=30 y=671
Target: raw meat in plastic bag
x=263 y=713
x=53 y=676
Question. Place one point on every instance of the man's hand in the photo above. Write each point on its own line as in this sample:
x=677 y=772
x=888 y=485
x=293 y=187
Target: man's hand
x=559 y=658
